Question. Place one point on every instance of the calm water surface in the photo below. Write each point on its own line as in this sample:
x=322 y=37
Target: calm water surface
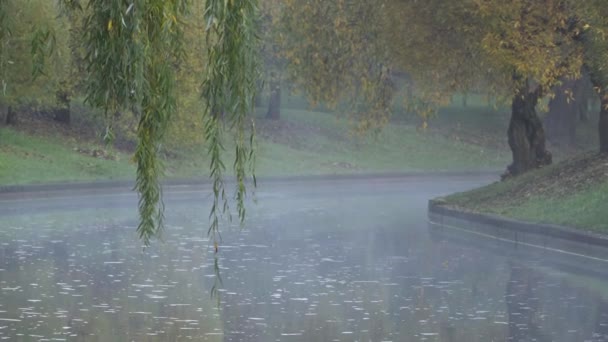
x=316 y=261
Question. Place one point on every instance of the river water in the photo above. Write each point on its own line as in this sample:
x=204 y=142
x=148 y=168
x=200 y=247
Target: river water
x=316 y=261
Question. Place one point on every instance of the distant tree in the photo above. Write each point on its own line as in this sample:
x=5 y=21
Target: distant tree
x=519 y=50
x=272 y=63
x=563 y=114
x=274 y=101
x=568 y=106
x=336 y=56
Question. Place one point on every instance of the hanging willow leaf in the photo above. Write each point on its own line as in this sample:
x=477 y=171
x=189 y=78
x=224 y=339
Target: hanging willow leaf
x=131 y=50
x=229 y=90
x=42 y=44
x=130 y=66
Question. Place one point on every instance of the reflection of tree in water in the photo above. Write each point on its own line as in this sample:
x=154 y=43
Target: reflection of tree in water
x=8 y=261
x=523 y=306
x=601 y=324
x=542 y=308
x=540 y=303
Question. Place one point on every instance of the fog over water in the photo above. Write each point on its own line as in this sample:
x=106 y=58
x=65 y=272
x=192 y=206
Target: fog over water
x=316 y=261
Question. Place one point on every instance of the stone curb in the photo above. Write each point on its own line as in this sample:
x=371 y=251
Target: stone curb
x=570 y=242
x=129 y=184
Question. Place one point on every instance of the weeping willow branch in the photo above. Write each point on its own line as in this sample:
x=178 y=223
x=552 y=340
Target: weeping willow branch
x=131 y=46
x=229 y=90
x=42 y=44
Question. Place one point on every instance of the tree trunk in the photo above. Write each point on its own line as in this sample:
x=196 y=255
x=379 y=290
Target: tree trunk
x=563 y=115
x=274 y=104
x=601 y=86
x=522 y=308
x=526 y=134
x=62 y=112
x=62 y=115
x=582 y=93
x=603 y=124
x=11 y=116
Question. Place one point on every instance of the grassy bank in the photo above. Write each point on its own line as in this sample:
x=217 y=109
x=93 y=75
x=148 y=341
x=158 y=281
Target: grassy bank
x=30 y=159
x=301 y=143
x=573 y=192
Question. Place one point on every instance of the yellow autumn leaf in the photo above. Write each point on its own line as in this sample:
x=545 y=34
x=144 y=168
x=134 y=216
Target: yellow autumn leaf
x=110 y=25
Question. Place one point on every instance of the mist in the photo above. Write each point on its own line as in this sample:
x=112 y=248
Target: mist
x=265 y=170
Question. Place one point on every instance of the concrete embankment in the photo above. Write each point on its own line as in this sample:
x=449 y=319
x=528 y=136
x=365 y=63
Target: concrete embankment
x=567 y=246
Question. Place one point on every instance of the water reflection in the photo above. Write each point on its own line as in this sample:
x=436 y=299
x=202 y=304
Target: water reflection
x=306 y=269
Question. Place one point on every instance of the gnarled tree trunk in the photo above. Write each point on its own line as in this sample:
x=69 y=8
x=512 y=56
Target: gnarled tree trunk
x=526 y=134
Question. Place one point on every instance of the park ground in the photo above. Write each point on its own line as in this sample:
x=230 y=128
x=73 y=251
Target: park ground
x=302 y=142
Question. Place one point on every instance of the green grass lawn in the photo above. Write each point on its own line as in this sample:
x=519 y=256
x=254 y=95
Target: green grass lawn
x=398 y=147
x=30 y=159
x=585 y=209
x=572 y=193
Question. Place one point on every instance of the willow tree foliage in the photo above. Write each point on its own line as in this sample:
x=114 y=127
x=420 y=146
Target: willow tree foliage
x=132 y=53
x=229 y=91
x=132 y=50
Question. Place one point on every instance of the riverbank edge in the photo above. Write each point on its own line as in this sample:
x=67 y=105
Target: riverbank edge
x=583 y=247
x=129 y=184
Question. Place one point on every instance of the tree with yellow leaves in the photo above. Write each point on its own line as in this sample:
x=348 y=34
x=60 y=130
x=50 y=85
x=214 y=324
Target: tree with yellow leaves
x=517 y=50
x=336 y=55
